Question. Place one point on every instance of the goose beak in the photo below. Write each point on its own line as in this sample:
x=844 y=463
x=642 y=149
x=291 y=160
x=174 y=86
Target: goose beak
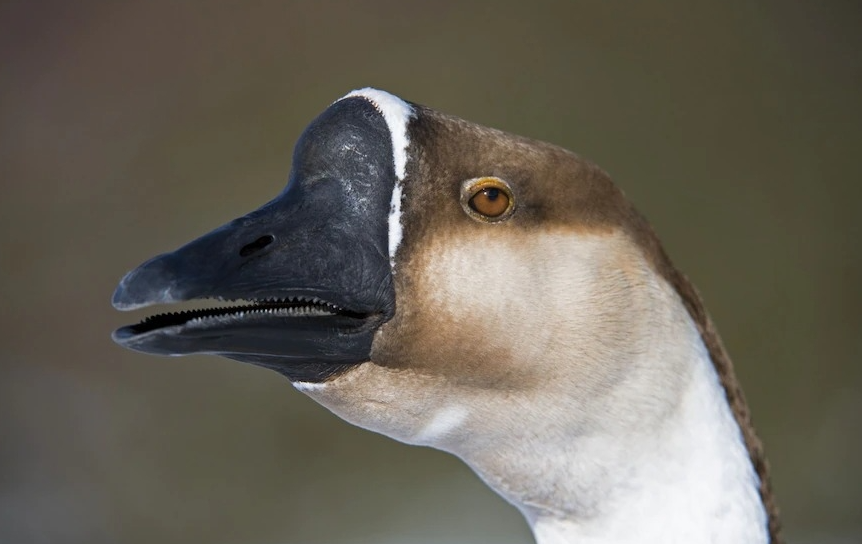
x=307 y=276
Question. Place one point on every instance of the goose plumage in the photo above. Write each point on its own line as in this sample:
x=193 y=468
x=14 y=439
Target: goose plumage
x=489 y=295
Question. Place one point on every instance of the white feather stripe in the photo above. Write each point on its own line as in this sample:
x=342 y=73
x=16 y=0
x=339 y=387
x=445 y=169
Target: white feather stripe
x=397 y=114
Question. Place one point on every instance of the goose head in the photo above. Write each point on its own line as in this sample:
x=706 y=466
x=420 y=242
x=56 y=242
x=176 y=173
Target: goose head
x=496 y=297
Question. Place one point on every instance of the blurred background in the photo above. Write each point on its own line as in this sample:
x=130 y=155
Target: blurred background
x=128 y=128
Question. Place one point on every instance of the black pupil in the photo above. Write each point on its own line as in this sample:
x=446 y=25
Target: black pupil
x=492 y=193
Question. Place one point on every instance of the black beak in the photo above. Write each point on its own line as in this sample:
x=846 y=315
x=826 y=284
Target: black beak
x=310 y=269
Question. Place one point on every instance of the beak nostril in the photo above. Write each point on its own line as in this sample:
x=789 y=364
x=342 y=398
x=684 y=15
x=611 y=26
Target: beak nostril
x=256 y=246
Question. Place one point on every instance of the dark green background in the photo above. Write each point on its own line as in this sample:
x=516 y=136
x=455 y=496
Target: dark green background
x=128 y=128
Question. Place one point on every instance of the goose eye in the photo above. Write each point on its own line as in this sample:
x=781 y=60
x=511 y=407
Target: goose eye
x=490 y=202
x=487 y=199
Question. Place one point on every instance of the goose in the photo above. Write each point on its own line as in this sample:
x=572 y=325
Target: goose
x=492 y=296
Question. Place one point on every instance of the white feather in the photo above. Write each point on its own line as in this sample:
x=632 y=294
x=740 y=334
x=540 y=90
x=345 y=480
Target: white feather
x=397 y=114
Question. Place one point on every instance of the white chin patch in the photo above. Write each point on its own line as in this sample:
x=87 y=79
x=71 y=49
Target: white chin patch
x=306 y=387
x=445 y=421
x=397 y=114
